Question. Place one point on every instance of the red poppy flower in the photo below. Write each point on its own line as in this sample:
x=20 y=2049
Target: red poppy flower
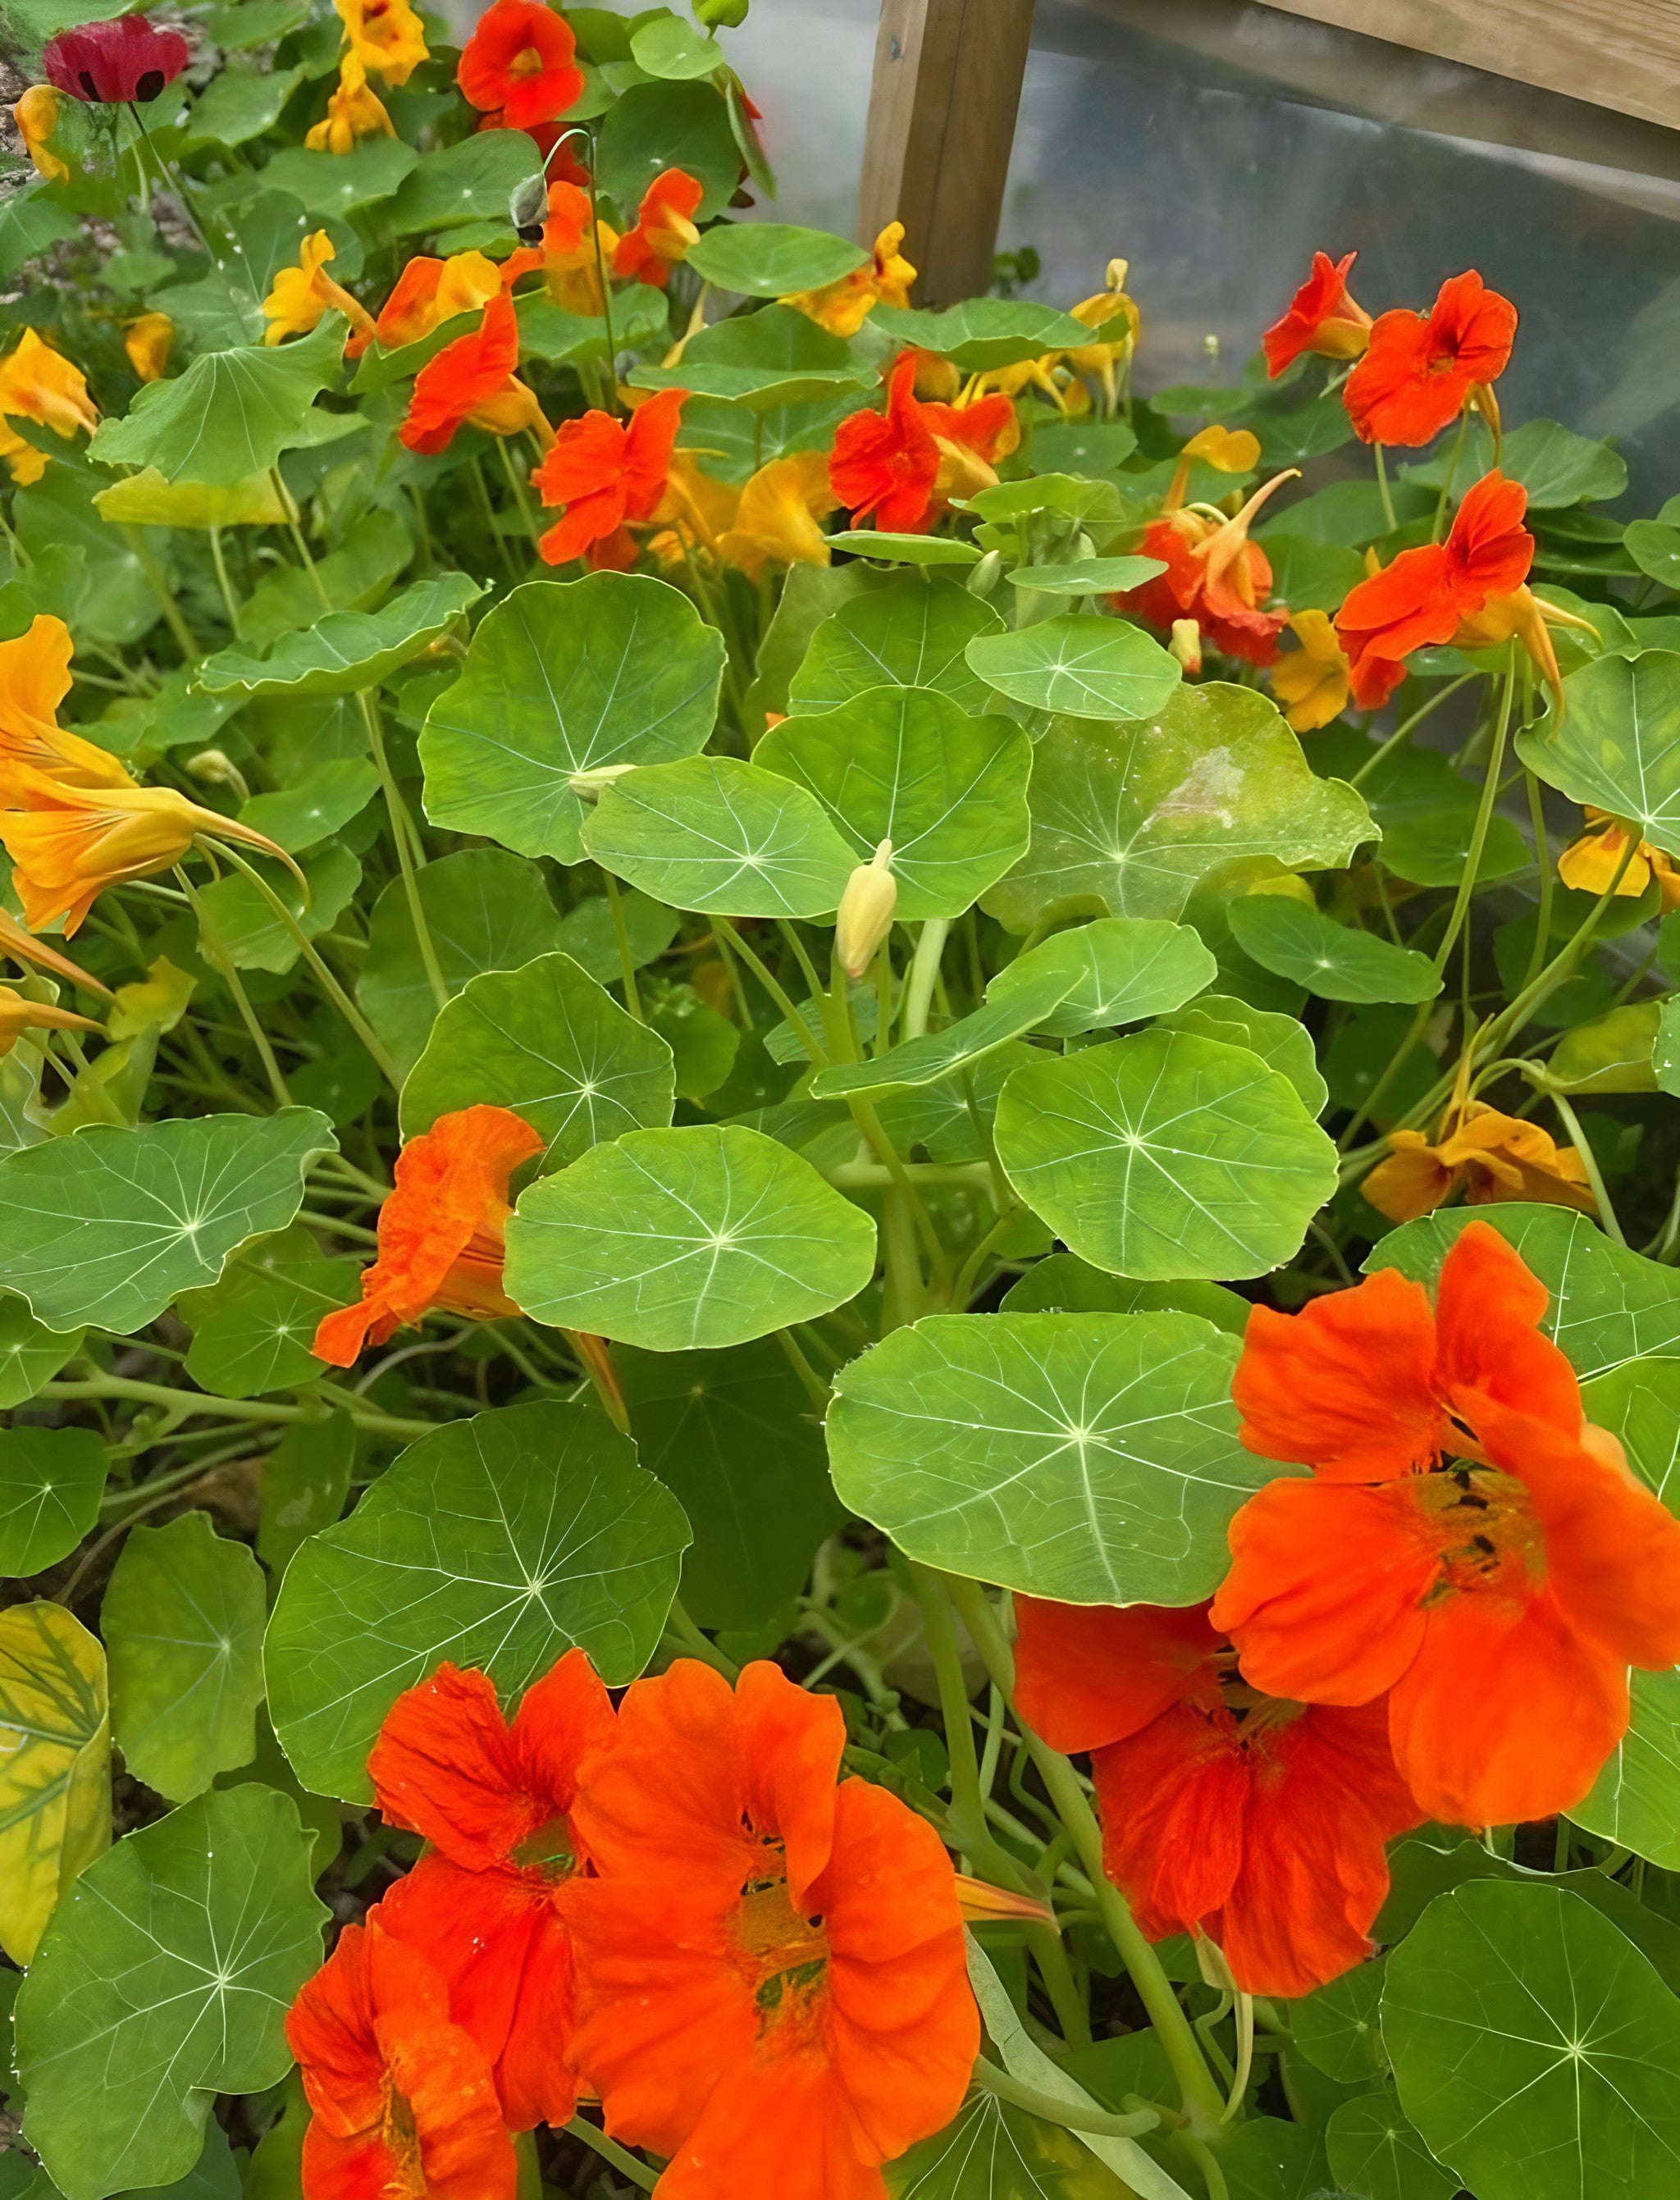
x=440 y=1231
x=1419 y=369
x=404 y=2106
x=605 y=473
x=1321 y=318
x=1261 y=1823
x=118 y=63
x=472 y=381
x=519 y=67
x=1467 y=1543
x=664 y=229
x=901 y=467
x=1215 y=575
x=1427 y=593
x=770 y=1965
x=495 y=1798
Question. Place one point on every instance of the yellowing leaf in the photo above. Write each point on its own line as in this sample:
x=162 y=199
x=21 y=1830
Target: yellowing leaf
x=148 y=498
x=54 y=1765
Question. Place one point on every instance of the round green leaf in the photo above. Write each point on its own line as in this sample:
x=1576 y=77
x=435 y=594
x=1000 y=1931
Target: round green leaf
x=947 y=1053
x=668 y=47
x=1559 y=468
x=252 y=1334
x=230 y=414
x=549 y=1042
x=51 y=1481
x=996 y=2151
x=656 y=126
x=1332 y=960
x=1619 y=746
x=183 y=1619
x=762 y=361
x=1614 y=1053
x=910 y=766
x=485 y=909
x=714 y=834
x=672 y=1239
x=30 y=1354
x=1281 y=1042
x=983 y=333
x=734 y=1437
x=1636 y=1800
x=1091 y=1458
x=1063 y=1284
x=346 y=650
x=891 y=549
x=1136 y=815
x=1122 y=969
x=1164 y=1155
x=163 y=1981
x=1536 y=2049
x=1087 y=576
x=499 y=1541
x=106 y=1228
x=1337 y=2028
x=566 y=677
x=907 y=634
x=1375 y=2153
x=1080 y=664
x=305 y=1479
x=470 y=181
x=772 y=258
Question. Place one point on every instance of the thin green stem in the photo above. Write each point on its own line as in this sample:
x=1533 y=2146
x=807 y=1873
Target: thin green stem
x=294 y=528
x=1577 y=1138
x=614 y=902
x=210 y=940
x=182 y=1404
x=1472 y=861
x=1542 y=856
x=518 y=489
x=924 y=969
x=626 y=2164
x=1450 y=476
x=814 y=1387
x=1051 y=2109
x=1382 y=487
x=772 y=985
x=190 y=646
x=1408 y=726
x=230 y=601
x=402 y=826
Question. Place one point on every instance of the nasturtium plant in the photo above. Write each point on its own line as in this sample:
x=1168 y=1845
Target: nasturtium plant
x=797 y=1088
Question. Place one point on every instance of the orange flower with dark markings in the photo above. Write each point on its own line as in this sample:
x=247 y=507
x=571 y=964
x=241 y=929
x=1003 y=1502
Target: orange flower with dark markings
x=771 y=1965
x=608 y=474
x=664 y=229
x=494 y=1796
x=1487 y=1155
x=520 y=67
x=440 y=1231
x=1321 y=318
x=1468 y=1544
x=403 y=2102
x=471 y=382
x=1259 y=1823
x=901 y=467
x=1421 y=370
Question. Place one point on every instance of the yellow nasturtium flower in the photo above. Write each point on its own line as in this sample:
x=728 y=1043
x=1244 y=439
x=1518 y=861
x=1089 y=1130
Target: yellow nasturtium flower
x=843 y=306
x=147 y=342
x=353 y=112
x=36 y=115
x=19 y=1015
x=1589 y=863
x=776 y=520
x=386 y=36
x=1312 y=682
x=301 y=295
x=40 y=384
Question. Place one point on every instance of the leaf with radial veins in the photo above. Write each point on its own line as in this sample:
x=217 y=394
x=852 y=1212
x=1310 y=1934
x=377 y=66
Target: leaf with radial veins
x=907 y=765
x=947 y=1053
x=907 y=634
x=565 y=677
x=549 y=1042
x=1619 y=746
x=717 y=835
x=1163 y=1155
x=55 y=1766
x=1283 y=1042
x=346 y=650
x=701 y=1237
x=51 y=1481
x=31 y=1354
x=230 y=415
x=1089 y=1458
x=1333 y=961
x=1080 y=664
x=163 y=1981
x=1136 y=815
x=499 y=1541
x=1536 y=2049
x=106 y=1228
x=770 y=259
x=1123 y=969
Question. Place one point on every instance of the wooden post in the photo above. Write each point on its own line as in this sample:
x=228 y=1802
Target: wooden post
x=942 y=109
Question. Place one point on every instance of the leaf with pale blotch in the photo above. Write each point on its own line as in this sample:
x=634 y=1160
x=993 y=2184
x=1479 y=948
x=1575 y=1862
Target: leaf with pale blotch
x=55 y=1766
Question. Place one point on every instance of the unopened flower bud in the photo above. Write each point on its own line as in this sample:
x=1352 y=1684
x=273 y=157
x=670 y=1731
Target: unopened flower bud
x=866 y=909
x=1118 y=270
x=215 y=768
x=984 y=577
x=1186 y=646
x=594 y=783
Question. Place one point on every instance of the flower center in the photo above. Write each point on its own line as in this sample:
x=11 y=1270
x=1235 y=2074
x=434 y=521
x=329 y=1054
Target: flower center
x=549 y=1850
x=1483 y=1530
x=402 y=2139
x=527 y=62
x=784 y=1954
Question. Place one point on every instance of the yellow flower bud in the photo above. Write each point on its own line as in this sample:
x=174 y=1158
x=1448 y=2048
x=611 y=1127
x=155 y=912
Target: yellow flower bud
x=866 y=909
x=1186 y=646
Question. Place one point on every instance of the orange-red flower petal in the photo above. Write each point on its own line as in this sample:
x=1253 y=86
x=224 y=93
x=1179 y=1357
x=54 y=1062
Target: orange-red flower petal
x=1321 y=318
x=1419 y=369
x=520 y=64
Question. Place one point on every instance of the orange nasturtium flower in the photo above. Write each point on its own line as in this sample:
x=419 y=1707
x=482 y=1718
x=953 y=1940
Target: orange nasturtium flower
x=353 y=112
x=428 y=293
x=1487 y=1155
x=771 y=1965
x=40 y=384
x=1215 y=574
x=471 y=382
x=1467 y=1542
x=1421 y=370
x=1321 y=319
x=23 y=947
x=607 y=475
x=36 y=115
x=440 y=1231
x=386 y=37
x=520 y=67
x=495 y=1800
x=1261 y=1824
x=1591 y=862
x=303 y=295
x=146 y=340
x=1312 y=682
x=901 y=467
x=664 y=229
x=34 y=679
x=1470 y=589
x=884 y=279
x=776 y=521
x=19 y=1015
x=571 y=254
x=404 y=2103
